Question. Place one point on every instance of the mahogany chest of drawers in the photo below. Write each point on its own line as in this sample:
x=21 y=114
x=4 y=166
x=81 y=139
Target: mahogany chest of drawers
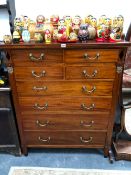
x=65 y=95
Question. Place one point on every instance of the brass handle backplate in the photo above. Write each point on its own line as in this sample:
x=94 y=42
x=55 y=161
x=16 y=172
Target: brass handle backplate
x=33 y=58
x=84 y=89
x=42 y=74
x=90 y=124
x=86 y=75
x=44 y=140
x=86 y=56
x=42 y=124
x=39 y=88
x=86 y=141
x=84 y=107
x=37 y=106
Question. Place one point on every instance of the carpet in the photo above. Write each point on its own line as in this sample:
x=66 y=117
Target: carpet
x=63 y=171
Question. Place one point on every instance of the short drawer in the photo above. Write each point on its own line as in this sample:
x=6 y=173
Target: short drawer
x=93 y=55
x=56 y=105
x=65 y=122
x=65 y=138
x=92 y=71
x=39 y=73
x=36 y=57
x=65 y=88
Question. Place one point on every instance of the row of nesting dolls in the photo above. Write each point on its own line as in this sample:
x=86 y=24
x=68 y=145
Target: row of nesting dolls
x=67 y=28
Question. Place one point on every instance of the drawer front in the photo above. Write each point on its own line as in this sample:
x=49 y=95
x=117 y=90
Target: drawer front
x=80 y=138
x=92 y=71
x=39 y=73
x=65 y=122
x=49 y=105
x=96 y=55
x=36 y=57
x=65 y=88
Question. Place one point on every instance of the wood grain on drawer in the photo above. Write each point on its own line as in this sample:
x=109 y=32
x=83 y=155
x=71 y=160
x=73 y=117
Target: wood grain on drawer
x=80 y=138
x=39 y=73
x=36 y=57
x=95 y=71
x=65 y=88
x=50 y=105
x=65 y=122
x=94 y=55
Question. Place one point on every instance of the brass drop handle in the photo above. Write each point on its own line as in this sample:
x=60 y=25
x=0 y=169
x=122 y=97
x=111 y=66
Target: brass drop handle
x=42 y=74
x=33 y=58
x=84 y=88
x=86 y=141
x=37 y=106
x=90 y=124
x=42 y=124
x=84 y=107
x=86 y=56
x=89 y=76
x=44 y=140
x=39 y=88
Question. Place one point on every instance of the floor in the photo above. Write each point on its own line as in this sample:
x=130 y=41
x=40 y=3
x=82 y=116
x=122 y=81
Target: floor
x=63 y=158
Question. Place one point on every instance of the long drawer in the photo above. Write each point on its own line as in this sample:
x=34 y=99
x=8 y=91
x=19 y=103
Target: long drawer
x=36 y=57
x=65 y=122
x=39 y=73
x=93 y=55
x=92 y=71
x=50 y=105
x=65 y=88
x=74 y=138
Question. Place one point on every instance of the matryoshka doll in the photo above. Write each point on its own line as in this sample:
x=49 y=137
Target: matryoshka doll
x=61 y=26
x=55 y=33
x=31 y=28
x=83 y=33
x=101 y=28
x=47 y=36
x=73 y=37
x=40 y=23
x=26 y=36
x=7 y=39
x=68 y=22
x=92 y=28
x=116 y=29
x=54 y=20
x=76 y=21
x=100 y=32
x=16 y=37
x=25 y=21
x=107 y=23
x=18 y=25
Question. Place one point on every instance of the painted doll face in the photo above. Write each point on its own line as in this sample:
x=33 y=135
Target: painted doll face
x=77 y=20
x=61 y=22
x=40 y=19
x=93 y=22
x=67 y=19
x=102 y=19
x=54 y=18
x=115 y=21
x=108 y=22
x=18 y=21
x=120 y=20
x=88 y=19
